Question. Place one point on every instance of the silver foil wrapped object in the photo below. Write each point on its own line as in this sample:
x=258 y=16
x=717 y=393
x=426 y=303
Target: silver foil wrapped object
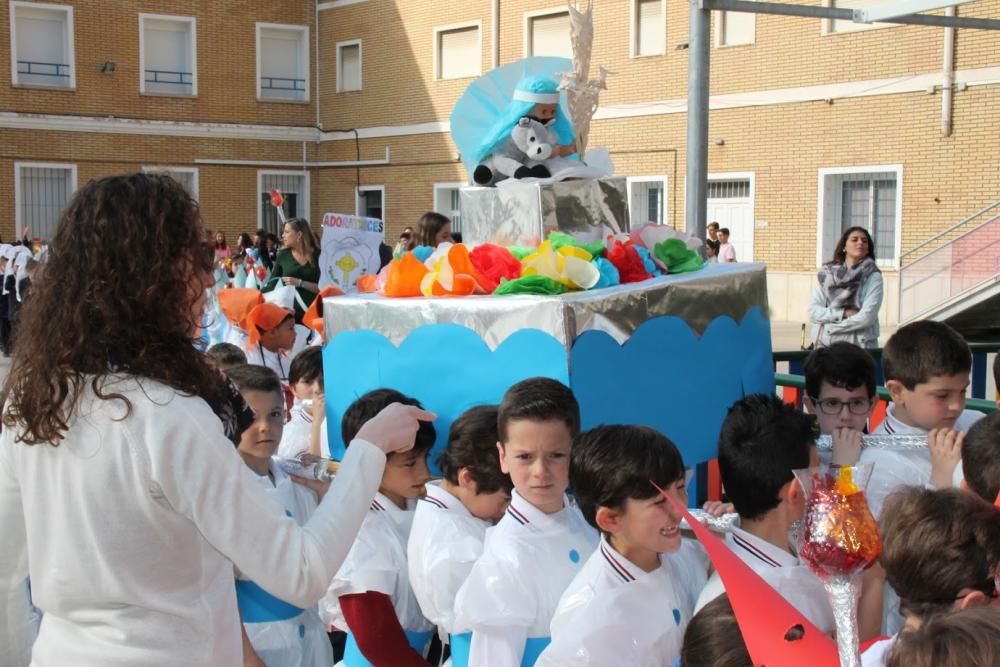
x=523 y=213
x=844 y=592
x=698 y=298
x=717 y=524
x=824 y=443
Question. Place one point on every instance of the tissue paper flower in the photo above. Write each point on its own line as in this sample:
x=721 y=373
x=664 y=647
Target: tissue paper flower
x=535 y=284
x=562 y=239
x=404 y=276
x=676 y=257
x=647 y=261
x=630 y=266
x=452 y=274
x=494 y=263
x=569 y=265
x=521 y=251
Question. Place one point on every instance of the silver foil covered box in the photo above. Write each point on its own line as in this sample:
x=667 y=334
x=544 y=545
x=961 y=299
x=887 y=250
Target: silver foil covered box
x=524 y=213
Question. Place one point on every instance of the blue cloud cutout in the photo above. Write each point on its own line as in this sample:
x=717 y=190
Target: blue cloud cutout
x=667 y=378
x=447 y=367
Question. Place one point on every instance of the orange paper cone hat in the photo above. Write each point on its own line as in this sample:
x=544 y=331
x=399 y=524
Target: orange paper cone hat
x=764 y=617
x=313 y=317
x=263 y=317
x=237 y=302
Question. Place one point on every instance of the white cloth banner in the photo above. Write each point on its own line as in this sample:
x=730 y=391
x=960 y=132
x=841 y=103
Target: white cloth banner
x=349 y=249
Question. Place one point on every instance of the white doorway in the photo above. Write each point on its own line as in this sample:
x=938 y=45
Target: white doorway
x=730 y=203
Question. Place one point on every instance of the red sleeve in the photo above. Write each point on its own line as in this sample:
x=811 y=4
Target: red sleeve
x=373 y=622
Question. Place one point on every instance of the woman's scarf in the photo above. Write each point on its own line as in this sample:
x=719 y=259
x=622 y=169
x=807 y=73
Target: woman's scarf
x=842 y=284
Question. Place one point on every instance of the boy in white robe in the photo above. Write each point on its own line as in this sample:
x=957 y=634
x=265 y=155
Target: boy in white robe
x=370 y=597
x=927 y=366
x=761 y=442
x=305 y=378
x=282 y=635
x=450 y=524
x=540 y=544
x=631 y=602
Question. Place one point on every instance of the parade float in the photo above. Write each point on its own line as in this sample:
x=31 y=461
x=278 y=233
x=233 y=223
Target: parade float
x=553 y=279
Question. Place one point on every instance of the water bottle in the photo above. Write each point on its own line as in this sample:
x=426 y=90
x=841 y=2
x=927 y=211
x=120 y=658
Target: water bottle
x=310 y=467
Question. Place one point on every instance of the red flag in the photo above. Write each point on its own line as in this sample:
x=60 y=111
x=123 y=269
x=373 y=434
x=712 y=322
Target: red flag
x=765 y=618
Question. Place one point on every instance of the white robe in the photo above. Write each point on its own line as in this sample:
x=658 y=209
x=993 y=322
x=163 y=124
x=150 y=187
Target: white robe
x=793 y=580
x=528 y=560
x=615 y=613
x=377 y=562
x=300 y=641
x=165 y=508
x=295 y=436
x=911 y=467
x=445 y=542
x=894 y=469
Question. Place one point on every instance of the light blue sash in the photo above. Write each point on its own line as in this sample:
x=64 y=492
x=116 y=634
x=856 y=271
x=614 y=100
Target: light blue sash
x=258 y=606
x=353 y=657
x=461 y=646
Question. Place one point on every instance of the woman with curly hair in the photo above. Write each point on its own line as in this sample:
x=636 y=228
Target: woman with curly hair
x=120 y=495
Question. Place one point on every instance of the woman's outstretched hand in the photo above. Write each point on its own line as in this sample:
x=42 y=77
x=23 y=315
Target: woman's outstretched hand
x=395 y=428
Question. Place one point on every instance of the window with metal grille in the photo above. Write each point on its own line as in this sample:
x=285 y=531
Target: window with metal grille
x=349 y=66
x=859 y=197
x=548 y=35
x=371 y=202
x=446 y=202
x=733 y=189
x=42 y=191
x=871 y=204
x=282 y=62
x=458 y=52
x=649 y=29
x=647 y=201
x=167 y=55
x=42 y=45
x=293 y=190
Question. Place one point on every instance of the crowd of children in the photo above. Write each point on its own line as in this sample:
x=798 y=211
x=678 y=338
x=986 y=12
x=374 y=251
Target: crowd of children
x=544 y=545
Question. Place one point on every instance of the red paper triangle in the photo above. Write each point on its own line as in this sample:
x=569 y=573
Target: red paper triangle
x=763 y=615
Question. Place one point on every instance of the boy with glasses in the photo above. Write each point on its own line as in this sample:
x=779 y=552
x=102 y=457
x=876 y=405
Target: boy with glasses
x=840 y=392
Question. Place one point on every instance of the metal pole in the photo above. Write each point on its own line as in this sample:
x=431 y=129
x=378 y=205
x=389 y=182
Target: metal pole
x=696 y=188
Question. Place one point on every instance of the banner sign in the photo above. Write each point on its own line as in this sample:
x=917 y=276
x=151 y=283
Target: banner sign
x=349 y=249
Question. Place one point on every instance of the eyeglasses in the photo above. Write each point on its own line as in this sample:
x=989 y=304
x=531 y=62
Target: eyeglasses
x=833 y=406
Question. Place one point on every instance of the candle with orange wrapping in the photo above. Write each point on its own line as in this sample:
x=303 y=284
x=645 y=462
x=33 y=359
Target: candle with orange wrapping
x=839 y=541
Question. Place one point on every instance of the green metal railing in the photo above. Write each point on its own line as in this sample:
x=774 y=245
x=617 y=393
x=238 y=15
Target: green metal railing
x=799 y=382
x=981 y=375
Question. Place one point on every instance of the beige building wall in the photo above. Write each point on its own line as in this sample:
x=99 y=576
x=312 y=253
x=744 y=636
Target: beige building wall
x=798 y=100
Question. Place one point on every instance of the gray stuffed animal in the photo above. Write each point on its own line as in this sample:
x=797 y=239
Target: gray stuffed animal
x=521 y=155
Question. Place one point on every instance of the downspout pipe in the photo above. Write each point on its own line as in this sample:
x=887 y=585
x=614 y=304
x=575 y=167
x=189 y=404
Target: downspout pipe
x=495 y=61
x=316 y=60
x=948 y=82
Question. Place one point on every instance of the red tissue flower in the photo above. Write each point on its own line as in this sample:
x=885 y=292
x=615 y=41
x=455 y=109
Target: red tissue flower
x=630 y=266
x=494 y=263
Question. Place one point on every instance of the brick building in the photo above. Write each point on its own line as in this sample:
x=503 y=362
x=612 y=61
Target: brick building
x=344 y=105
